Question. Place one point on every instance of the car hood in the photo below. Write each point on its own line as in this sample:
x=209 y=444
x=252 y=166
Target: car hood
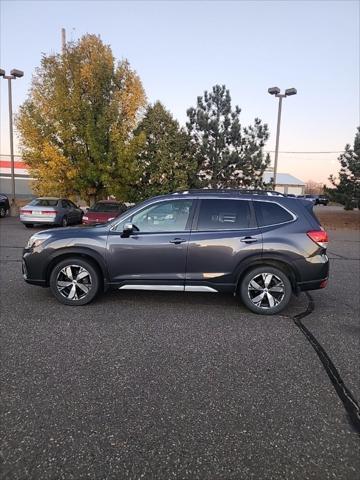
x=73 y=231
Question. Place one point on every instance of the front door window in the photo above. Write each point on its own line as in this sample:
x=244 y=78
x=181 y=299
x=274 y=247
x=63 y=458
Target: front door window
x=171 y=216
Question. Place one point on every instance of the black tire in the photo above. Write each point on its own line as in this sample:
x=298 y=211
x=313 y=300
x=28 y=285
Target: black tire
x=64 y=221
x=63 y=294
x=29 y=225
x=279 y=289
x=3 y=212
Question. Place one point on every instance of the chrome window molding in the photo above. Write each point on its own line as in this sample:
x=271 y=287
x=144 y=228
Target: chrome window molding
x=210 y=197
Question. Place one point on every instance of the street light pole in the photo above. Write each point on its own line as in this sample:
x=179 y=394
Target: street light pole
x=276 y=91
x=14 y=74
x=277 y=138
x=9 y=78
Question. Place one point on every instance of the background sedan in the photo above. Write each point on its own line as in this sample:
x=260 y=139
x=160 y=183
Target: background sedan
x=103 y=212
x=52 y=211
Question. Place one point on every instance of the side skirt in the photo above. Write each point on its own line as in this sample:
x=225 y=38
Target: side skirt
x=170 y=288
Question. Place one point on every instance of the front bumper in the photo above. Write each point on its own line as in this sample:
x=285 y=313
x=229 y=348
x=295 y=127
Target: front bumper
x=34 y=268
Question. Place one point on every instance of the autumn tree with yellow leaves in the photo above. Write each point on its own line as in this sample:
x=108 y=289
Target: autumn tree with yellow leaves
x=75 y=126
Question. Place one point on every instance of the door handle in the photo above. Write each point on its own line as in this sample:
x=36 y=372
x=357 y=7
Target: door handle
x=177 y=241
x=248 y=240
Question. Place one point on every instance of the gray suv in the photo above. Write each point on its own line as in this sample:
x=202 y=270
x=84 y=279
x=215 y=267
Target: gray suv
x=260 y=247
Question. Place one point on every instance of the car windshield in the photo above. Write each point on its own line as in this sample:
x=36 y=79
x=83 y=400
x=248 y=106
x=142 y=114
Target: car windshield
x=106 y=207
x=44 y=202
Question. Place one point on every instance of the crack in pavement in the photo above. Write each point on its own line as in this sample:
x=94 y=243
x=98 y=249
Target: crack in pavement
x=350 y=403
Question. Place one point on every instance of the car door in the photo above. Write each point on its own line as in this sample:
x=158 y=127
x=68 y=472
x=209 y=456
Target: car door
x=76 y=211
x=65 y=210
x=153 y=256
x=224 y=234
x=70 y=211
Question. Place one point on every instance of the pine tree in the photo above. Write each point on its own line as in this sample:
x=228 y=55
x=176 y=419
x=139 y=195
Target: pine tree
x=347 y=186
x=163 y=160
x=226 y=154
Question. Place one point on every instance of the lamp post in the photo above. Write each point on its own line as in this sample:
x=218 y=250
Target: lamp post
x=276 y=91
x=14 y=74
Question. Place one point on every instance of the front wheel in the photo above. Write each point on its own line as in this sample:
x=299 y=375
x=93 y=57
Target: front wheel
x=3 y=212
x=74 y=281
x=266 y=290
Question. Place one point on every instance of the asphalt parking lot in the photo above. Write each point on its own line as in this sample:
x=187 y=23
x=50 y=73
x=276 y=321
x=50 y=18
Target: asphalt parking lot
x=174 y=385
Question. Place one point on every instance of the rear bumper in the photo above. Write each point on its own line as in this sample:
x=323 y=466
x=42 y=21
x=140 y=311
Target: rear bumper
x=313 y=272
x=312 y=285
x=37 y=219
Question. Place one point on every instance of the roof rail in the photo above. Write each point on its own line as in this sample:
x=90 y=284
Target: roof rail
x=230 y=191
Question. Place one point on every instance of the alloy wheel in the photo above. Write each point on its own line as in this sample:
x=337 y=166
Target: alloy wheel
x=266 y=290
x=74 y=282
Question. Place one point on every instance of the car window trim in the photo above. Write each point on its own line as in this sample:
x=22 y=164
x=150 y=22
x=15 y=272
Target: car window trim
x=294 y=217
x=143 y=207
x=253 y=221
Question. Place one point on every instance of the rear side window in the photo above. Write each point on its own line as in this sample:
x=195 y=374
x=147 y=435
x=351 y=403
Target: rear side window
x=268 y=213
x=224 y=215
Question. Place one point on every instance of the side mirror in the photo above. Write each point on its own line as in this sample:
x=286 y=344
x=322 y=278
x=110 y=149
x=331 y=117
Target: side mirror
x=128 y=229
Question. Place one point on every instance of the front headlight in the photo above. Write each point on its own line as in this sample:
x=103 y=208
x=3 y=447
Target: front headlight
x=36 y=240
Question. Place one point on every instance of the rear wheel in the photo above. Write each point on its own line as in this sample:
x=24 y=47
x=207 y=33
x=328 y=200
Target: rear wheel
x=29 y=225
x=74 y=281
x=266 y=290
x=2 y=212
x=64 y=221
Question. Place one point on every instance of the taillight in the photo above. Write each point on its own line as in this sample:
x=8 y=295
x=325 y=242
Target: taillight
x=26 y=212
x=320 y=237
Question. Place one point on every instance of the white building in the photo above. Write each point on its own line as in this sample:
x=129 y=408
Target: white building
x=286 y=183
x=22 y=177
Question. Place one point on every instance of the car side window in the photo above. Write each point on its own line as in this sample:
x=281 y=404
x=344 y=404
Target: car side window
x=224 y=215
x=168 y=216
x=269 y=213
x=64 y=204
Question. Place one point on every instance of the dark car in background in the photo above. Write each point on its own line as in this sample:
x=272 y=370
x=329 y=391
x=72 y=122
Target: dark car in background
x=4 y=205
x=323 y=200
x=316 y=199
x=259 y=247
x=50 y=211
x=103 y=211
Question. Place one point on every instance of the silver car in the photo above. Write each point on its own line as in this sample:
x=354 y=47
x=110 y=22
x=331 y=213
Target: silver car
x=50 y=210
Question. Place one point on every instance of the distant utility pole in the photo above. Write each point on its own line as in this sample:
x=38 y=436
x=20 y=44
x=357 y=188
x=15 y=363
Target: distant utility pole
x=63 y=40
x=276 y=91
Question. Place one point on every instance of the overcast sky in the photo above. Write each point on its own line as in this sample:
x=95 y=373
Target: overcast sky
x=182 y=48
